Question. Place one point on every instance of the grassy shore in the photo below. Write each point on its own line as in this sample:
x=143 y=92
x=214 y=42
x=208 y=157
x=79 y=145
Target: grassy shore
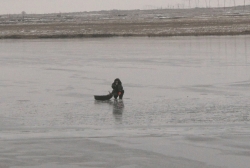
x=142 y=23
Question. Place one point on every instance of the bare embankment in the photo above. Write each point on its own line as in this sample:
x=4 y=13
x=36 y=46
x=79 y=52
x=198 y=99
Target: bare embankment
x=149 y=23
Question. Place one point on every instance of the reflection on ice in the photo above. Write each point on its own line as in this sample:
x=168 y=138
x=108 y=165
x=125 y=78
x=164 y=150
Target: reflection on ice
x=118 y=107
x=101 y=102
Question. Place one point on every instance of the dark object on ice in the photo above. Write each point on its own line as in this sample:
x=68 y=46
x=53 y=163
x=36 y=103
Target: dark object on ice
x=117 y=88
x=104 y=97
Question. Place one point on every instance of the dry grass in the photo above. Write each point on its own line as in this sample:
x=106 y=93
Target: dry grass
x=192 y=22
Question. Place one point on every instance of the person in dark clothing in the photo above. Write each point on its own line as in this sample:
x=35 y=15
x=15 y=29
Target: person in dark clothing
x=117 y=88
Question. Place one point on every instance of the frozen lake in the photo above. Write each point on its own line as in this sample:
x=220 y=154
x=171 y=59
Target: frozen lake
x=180 y=88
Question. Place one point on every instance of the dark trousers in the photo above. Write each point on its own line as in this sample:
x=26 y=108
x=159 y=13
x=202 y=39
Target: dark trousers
x=116 y=94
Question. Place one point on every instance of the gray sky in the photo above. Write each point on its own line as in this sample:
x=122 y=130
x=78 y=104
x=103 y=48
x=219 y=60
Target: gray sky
x=55 y=6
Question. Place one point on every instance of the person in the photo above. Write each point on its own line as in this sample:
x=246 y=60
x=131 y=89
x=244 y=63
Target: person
x=117 y=88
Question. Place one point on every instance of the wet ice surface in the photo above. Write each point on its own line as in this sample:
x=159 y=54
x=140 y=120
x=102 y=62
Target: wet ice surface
x=185 y=89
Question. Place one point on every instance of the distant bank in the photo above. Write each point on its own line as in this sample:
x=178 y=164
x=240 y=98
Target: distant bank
x=136 y=23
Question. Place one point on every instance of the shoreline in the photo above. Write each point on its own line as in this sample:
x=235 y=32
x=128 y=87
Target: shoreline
x=135 y=23
x=63 y=36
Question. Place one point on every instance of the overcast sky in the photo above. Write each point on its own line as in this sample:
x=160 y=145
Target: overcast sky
x=55 y=6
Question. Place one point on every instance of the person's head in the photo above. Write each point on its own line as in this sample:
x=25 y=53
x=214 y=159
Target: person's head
x=117 y=81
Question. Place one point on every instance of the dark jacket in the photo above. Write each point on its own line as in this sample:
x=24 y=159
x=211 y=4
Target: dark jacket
x=117 y=87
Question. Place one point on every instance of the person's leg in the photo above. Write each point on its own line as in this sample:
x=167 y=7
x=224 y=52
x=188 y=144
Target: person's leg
x=115 y=95
x=121 y=95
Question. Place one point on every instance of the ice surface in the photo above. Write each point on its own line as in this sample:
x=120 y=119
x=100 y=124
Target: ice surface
x=186 y=102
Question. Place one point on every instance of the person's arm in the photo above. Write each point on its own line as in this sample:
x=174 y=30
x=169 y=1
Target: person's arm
x=113 y=85
x=120 y=88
